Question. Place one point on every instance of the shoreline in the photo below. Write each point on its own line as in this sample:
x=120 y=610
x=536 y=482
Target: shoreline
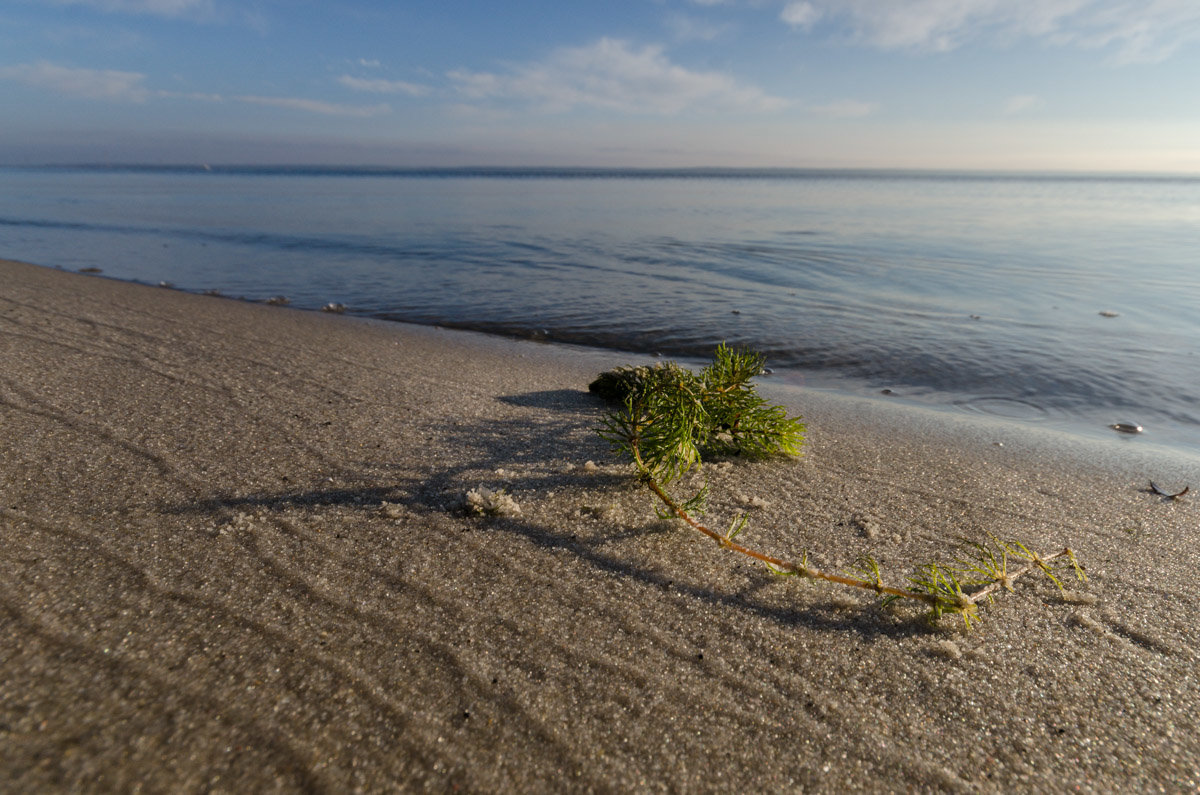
x=236 y=556
x=1073 y=440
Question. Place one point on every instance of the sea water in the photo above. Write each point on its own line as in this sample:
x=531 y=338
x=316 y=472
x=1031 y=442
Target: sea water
x=1069 y=301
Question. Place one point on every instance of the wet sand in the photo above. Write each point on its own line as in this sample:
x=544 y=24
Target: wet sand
x=234 y=556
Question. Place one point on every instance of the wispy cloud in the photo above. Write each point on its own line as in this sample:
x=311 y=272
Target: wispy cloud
x=685 y=27
x=844 y=109
x=195 y=96
x=317 y=106
x=116 y=86
x=1022 y=103
x=800 y=15
x=161 y=8
x=380 y=86
x=613 y=75
x=104 y=84
x=1142 y=32
x=1138 y=30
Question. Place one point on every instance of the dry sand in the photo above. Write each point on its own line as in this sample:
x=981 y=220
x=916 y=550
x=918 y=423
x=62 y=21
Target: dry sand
x=233 y=557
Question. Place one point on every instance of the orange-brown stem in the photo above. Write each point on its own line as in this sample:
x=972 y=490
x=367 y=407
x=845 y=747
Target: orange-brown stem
x=807 y=571
x=779 y=563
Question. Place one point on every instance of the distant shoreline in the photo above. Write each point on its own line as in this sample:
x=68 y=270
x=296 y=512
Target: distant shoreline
x=615 y=172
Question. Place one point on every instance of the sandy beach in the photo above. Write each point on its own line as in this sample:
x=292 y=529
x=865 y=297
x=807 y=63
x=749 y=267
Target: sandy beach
x=235 y=556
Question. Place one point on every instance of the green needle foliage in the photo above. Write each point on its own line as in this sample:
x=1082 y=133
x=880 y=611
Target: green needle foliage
x=666 y=418
x=670 y=416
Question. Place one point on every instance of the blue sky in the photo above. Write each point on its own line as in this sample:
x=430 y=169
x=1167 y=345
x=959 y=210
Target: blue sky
x=1109 y=85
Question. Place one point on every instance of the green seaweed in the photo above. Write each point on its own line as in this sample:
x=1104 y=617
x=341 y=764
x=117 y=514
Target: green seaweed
x=665 y=419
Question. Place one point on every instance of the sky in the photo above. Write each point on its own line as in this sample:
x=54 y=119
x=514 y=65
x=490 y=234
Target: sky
x=1062 y=85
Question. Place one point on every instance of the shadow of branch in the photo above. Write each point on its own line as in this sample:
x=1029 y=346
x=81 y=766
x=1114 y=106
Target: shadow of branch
x=559 y=427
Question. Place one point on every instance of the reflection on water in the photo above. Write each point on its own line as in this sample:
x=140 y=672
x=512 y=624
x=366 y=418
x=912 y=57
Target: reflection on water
x=1006 y=407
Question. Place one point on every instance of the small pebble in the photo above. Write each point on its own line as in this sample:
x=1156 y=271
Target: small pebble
x=392 y=510
x=491 y=502
x=870 y=528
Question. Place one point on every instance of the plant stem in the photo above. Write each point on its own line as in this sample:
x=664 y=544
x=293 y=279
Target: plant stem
x=670 y=415
x=966 y=602
x=1004 y=582
x=778 y=563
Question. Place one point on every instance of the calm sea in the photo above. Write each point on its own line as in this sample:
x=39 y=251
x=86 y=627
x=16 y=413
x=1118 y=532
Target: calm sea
x=1070 y=301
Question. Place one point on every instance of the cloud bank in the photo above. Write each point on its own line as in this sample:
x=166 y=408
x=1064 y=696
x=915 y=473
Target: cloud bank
x=160 y=8
x=115 y=86
x=316 y=106
x=613 y=75
x=1139 y=30
x=380 y=86
x=104 y=84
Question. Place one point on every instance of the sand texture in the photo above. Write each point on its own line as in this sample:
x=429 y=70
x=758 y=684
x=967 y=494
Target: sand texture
x=234 y=556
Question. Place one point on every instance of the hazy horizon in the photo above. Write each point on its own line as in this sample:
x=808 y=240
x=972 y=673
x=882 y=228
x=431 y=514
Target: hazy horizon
x=322 y=168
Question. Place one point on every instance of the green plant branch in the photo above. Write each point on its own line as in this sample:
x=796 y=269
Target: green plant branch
x=667 y=416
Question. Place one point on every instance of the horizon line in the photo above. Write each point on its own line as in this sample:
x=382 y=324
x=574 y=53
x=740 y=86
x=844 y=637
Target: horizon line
x=283 y=167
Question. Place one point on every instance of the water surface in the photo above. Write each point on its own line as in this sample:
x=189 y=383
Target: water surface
x=979 y=293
